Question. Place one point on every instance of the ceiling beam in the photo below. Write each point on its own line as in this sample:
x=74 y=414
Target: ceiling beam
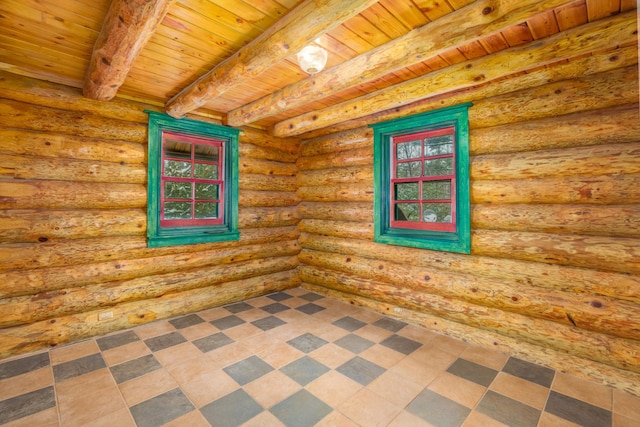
x=470 y=23
x=301 y=26
x=592 y=37
x=126 y=29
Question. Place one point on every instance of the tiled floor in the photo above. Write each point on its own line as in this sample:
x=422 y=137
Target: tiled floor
x=294 y=358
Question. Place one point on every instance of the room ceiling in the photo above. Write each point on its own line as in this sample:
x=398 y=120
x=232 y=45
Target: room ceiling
x=245 y=50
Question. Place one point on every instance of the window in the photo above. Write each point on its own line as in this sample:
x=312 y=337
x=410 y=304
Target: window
x=193 y=182
x=421 y=168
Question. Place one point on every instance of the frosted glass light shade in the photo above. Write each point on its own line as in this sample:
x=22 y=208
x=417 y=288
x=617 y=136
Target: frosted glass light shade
x=312 y=59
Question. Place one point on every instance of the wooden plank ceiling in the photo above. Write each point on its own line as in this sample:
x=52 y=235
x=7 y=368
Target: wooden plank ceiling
x=235 y=60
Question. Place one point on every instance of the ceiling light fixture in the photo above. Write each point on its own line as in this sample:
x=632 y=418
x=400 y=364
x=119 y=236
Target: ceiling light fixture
x=312 y=59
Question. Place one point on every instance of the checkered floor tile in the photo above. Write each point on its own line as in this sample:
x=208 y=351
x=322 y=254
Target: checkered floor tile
x=294 y=358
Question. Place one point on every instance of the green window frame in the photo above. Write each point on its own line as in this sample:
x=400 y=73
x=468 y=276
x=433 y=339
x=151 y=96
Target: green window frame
x=403 y=182
x=209 y=153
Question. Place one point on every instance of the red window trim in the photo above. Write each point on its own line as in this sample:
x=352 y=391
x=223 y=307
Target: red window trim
x=421 y=225
x=220 y=181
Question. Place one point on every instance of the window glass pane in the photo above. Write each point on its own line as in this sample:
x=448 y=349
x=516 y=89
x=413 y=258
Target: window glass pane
x=436 y=167
x=176 y=149
x=206 y=210
x=207 y=152
x=407 y=212
x=438 y=145
x=177 y=210
x=408 y=170
x=436 y=212
x=409 y=150
x=205 y=171
x=436 y=190
x=177 y=190
x=206 y=191
x=407 y=191
x=177 y=169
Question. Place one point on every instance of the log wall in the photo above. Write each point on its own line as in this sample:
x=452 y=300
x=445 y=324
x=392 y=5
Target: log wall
x=73 y=256
x=554 y=272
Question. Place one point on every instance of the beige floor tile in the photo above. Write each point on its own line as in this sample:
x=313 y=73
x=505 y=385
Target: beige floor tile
x=330 y=332
x=627 y=405
x=419 y=334
x=192 y=419
x=191 y=368
x=154 y=329
x=382 y=356
x=119 y=418
x=415 y=370
x=178 y=354
x=336 y=419
x=25 y=383
x=333 y=388
x=83 y=405
x=200 y=330
x=521 y=390
x=272 y=388
x=448 y=344
x=458 y=389
x=147 y=386
x=124 y=353
x=395 y=388
x=280 y=354
x=588 y=391
x=208 y=387
x=214 y=313
x=228 y=355
x=485 y=357
x=407 y=419
x=243 y=331
x=252 y=314
x=434 y=357
x=70 y=352
x=620 y=420
x=96 y=380
x=264 y=419
x=478 y=419
x=373 y=333
x=331 y=355
x=550 y=420
x=368 y=409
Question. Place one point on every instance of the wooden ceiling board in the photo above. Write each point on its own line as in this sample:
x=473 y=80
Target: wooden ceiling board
x=571 y=15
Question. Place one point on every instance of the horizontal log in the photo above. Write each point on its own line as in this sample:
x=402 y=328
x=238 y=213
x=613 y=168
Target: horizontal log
x=359 y=212
x=28 y=194
x=268 y=183
x=263 y=139
x=34 y=336
x=250 y=198
x=356 y=157
x=38 y=226
x=584 y=128
x=266 y=153
x=50 y=168
x=344 y=193
x=333 y=143
x=64 y=97
x=582 y=281
x=248 y=165
x=53 y=279
x=14 y=114
x=605 y=315
x=29 y=256
x=28 y=309
x=268 y=217
x=343 y=229
x=603 y=189
x=30 y=143
x=603 y=253
x=348 y=175
x=593 y=160
x=595 y=220
x=542 y=355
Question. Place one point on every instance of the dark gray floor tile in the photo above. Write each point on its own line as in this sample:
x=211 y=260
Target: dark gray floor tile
x=389 y=324
x=307 y=342
x=349 y=323
x=508 y=411
x=311 y=296
x=577 y=411
x=27 y=404
x=274 y=308
x=227 y=322
x=304 y=370
x=268 y=322
x=279 y=296
x=23 y=365
x=212 y=342
x=438 y=410
x=310 y=308
x=78 y=367
x=161 y=409
x=134 y=368
x=238 y=307
x=165 y=341
x=247 y=370
x=529 y=371
x=186 y=321
x=401 y=344
x=354 y=343
x=473 y=372
x=302 y=409
x=360 y=370
x=231 y=410
x=113 y=341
